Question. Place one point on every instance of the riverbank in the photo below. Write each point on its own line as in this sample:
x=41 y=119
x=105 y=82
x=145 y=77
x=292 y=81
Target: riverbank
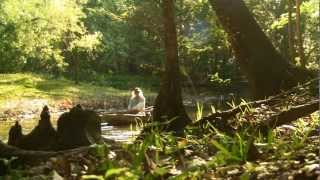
x=22 y=97
x=24 y=94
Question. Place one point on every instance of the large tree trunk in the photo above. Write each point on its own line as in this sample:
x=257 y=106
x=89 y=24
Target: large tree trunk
x=264 y=67
x=168 y=105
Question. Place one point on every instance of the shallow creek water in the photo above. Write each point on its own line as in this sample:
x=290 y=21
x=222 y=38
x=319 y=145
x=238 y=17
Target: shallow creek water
x=123 y=134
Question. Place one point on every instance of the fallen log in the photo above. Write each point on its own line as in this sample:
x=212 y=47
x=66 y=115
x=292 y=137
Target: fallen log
x=220 y=119
x=226 y=115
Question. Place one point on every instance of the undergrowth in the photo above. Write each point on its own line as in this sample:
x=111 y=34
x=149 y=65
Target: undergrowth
x=207 y=153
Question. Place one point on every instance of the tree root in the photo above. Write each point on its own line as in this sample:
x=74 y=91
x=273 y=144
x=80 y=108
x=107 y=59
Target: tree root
x=7 y=151
x=220 y=120
x=289 y=115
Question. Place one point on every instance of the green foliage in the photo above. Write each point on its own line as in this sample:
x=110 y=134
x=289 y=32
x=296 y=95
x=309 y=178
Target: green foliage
x=218 y=81
x=84 y=39
x=39 y=31
x=232 y=149
x=272 y=16
x=199 y=111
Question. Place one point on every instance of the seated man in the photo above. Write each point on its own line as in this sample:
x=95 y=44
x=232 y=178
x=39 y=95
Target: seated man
x=137 y=102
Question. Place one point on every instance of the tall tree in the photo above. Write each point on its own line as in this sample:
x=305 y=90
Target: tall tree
x=168 y=105
x=267 y=71
x=290 y=31
x=299 y=34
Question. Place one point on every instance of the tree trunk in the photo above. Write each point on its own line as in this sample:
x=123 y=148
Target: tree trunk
x=299 y=35
x=168 y=105
x=267 y=71
x=76 y=67
x=290 y=32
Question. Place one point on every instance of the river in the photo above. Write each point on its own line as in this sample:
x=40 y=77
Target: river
x=124 y=134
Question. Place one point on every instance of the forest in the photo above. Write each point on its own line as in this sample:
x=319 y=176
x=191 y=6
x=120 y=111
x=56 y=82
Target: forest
x=166 y=89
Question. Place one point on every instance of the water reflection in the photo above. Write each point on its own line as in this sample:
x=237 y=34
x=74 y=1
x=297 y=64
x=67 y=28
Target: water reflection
x=127 y=133
x=122 y=134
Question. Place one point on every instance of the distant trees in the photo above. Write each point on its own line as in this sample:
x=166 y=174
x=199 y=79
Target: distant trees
x=87 y=39
x=168 y=105
x=43 y=35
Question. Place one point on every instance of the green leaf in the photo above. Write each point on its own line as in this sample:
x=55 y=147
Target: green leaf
x=224 y=150
x=115 y=171
x=92 y=177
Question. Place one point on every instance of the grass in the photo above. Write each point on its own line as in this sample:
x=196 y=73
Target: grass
x=32 y=86
x=213 y=155
x=27 y=93
x=203 y=153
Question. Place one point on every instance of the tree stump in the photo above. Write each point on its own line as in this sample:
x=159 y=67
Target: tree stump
x=42 y=137
x=76 y=128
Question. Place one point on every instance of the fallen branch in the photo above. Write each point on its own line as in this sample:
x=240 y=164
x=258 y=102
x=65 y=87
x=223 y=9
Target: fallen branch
x=221 y=118
x=225 y=115
x=289 y=115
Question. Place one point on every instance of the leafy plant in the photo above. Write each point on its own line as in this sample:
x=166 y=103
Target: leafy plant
x=199 y=111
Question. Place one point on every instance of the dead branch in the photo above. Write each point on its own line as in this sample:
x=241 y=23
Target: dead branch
x=286 y=117
x=220 y=119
